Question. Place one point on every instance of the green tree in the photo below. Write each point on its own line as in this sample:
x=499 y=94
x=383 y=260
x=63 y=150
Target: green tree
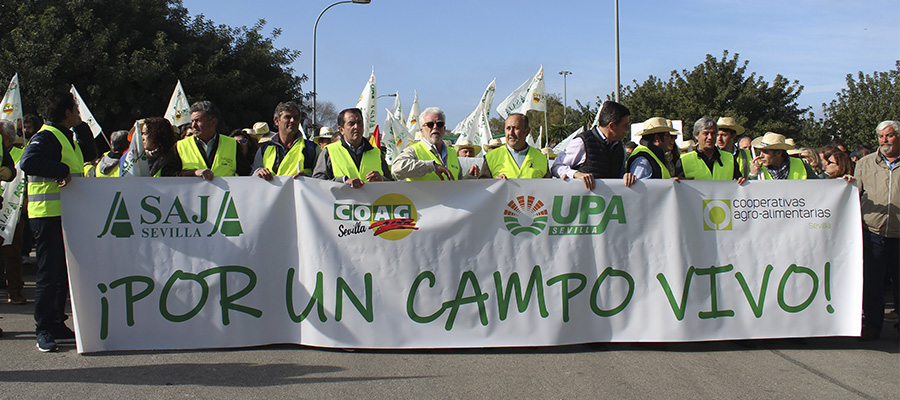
x=720 y=87
x=858 y=108
x=124 y=56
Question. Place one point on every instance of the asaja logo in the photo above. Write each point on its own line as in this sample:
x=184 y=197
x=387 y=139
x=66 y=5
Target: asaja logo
x=525 y=209
x=717 y=215
x=176 y=223
x=391 y=217
x=8 y=108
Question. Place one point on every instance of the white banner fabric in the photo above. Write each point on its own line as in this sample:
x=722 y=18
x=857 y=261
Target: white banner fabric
x=86 y=114
x=174 y=263
x=13 y=194
x=11 y=105
x=178 y=112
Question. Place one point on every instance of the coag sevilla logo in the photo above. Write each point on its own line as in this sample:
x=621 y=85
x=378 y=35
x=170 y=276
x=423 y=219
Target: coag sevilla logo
x=525 y=210
x=716 y=215
x=391 y=217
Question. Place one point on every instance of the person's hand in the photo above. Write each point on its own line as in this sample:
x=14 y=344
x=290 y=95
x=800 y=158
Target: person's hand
x=588 y=179
x=474 y=171
x=374 y=176
x=741 y=180
x=298 y=174
x=755 y=165
x=64 y=181
x=849 y=178
x=442 y=171
x=264 y=173
x=629 y=179
x=502 y=176
x=355 y=183
x=206 y=174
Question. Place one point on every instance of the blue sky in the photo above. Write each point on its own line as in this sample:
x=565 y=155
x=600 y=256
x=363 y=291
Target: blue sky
x=449 y=51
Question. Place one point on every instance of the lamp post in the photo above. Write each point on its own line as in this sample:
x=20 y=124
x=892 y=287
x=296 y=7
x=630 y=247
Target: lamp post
x=565 y=74
x=617 y=52
x=315 y=29
x=387 y=95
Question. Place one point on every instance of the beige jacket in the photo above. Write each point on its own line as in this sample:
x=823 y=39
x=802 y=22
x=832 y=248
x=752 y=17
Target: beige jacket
x=879 y=190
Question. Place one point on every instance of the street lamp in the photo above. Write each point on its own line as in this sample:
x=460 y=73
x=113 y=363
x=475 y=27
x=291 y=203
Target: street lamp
x=387 y=95
x=564 y=74
x=315 y=29
x=618 y=86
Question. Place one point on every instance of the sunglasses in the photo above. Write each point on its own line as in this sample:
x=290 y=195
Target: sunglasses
x=430 y=125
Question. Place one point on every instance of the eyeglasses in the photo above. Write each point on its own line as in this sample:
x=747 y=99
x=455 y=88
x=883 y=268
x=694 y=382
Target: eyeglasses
x=430 y=125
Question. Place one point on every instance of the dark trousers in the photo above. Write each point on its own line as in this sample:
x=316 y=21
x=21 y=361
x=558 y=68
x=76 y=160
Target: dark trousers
x=52 y=280
x=880 y=255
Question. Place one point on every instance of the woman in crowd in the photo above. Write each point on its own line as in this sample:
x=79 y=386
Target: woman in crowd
x=838 y=164
x=811 y=158
x=158 y=138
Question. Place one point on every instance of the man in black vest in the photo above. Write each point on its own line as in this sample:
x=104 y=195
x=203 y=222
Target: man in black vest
x=597 y=153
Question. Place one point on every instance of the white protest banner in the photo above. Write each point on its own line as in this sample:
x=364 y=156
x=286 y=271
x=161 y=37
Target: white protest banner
x=472 y=263
x=529 y=96
x=368 y=103
x=86 y=115
x=179 y=111
x=13 y=194
x=412 y=123
x=11 y=106
x=562 y=145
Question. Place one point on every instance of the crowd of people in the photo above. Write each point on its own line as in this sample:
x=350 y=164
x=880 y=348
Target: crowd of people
x=63 y=147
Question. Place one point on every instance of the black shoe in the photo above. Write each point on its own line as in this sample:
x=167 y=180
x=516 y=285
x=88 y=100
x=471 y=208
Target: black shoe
x=45 y=342
x=869 y=333
x=63 y=335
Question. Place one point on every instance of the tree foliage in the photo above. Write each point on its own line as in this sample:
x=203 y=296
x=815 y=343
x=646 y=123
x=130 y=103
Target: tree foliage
x=125 y=56
x=858 y=108
x=720 y=87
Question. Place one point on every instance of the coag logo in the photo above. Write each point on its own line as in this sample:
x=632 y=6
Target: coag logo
x=391 y=217
x=176 y=223
x=716 y=215
x=525 y=209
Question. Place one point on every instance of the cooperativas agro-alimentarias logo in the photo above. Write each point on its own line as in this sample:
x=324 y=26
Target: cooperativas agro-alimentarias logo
x=716 y=215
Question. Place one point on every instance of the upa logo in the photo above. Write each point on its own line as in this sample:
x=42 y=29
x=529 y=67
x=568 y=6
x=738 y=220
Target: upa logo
x=717 y=215
x=525 y=209
x=391 y=217
x=176 y=223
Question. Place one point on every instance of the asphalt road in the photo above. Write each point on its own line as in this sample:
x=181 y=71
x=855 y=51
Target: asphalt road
x=821 y=368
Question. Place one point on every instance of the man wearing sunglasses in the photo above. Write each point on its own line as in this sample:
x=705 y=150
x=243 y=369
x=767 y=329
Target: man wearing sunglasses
x=430 y=159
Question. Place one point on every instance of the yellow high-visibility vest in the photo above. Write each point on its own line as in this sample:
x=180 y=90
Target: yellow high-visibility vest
x=43 y=193
x=424 y=153
x=342 y=163
x=500 y=161
x=224 y=163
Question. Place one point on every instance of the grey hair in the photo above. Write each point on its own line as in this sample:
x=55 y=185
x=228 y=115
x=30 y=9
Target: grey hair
x=207 y=107
x=888 y=123
x=704 y=123
x=7 y=127
x=435 y=110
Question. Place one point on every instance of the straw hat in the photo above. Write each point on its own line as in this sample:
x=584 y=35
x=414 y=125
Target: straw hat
x=493 y=144
x=548 y=152
x=771 y=141
x=655 y=125
x=791 y=143
x=466 y=143
x=687 y=145
x=325 y=135
x=674 y=131
x=259 y=129
x=730 y=123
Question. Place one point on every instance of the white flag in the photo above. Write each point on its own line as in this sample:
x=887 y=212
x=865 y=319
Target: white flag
x=13 y=195
x=412 y=123
x=12 y=101
x=395 y=137
x=529 y=96
x=368 y=103
x=397 y=109
x=597 y=118
x=562 y=145
x=179 y=111
x=476 y=127
x=134 y=161
x=86 y=115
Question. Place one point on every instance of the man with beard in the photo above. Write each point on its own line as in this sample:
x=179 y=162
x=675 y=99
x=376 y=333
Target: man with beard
x=878 y=177
x=649 y=159
x=430 y=159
